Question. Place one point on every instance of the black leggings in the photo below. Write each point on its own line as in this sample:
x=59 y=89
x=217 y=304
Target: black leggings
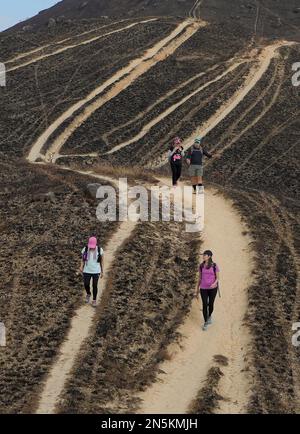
x=87 y=280
x=208 y=297
x=176 y=172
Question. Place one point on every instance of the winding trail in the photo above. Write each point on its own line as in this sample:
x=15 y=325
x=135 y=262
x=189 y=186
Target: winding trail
x=83 y=318
x=259 y=69
x=172 y=108
x=266 y=108
x=81 y=321
x=189 y=362
x=157 y=102
x=68 y=47
x=120 y=81
x=195 y=8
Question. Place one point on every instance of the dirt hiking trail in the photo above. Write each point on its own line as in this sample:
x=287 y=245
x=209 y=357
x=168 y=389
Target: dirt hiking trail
x=122 y=79
x=54 y=43
x=145 y=129
x=81 y=321
x=68 y=47
x=263 y=61
x=191 y=359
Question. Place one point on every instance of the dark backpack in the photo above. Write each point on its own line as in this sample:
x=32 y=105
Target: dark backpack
x=85 y=254
x=215 y=271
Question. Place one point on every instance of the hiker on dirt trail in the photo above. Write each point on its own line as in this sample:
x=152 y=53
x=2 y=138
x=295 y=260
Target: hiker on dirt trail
x=208 y=284
x=175 y=157
x=92 y=267
x=195 y=161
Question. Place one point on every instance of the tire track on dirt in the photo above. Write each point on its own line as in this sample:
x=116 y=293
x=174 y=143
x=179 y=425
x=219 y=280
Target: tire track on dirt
x=276 y=131
x=196 y=110
x=194 y=9
x=68 y=47
x=258 y=70
x=62 y=41
x=171 y=109
x=181 y=376
x=157 y=102
x=265 y=110
x=120 y=81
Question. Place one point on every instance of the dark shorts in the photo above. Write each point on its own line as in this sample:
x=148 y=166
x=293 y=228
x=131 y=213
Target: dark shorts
x=196 y=170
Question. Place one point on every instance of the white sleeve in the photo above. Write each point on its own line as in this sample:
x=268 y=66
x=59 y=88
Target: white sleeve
x=170 y=154
x=101 y=251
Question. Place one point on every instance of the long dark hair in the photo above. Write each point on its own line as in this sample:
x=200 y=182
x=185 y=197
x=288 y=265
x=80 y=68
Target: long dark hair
x=210 y=263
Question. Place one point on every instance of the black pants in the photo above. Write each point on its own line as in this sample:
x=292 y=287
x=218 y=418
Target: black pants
x=87 y=280
x=176 y=172
x=208 y=298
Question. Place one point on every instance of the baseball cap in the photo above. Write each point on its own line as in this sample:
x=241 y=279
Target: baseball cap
x=92 y=243
x=208 y=252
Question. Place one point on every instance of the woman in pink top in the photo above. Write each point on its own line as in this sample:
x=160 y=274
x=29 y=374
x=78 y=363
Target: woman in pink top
x=208 y=284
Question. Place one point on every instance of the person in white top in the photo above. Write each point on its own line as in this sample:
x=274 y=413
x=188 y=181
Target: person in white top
x=92 y=267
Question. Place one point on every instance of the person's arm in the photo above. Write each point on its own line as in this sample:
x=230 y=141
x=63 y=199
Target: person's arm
x=81 y=267
x=102 y=263
x=171 y=152
x=207 y=154
x=211 y=155
x=188 y=157
x=216 y=280
x=196 y=294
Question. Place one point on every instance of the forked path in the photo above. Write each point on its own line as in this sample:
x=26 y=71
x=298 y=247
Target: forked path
x=257 y=71
x=119 y=81
x=83 y=318
x=190 y=361
x=80 y=324
x=223 y=228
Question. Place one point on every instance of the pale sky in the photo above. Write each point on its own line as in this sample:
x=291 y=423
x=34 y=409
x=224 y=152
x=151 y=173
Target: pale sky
x=14 y=11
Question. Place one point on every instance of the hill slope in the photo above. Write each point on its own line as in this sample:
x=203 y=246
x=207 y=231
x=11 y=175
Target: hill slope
x=65 y=93
x=268 y=17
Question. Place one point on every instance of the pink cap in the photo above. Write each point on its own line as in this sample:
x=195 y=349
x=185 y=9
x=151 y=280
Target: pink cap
x=92 y=243
x=177 y=141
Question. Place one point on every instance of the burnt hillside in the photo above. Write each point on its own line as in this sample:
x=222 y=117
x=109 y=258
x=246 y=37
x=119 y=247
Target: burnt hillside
x=267 y=17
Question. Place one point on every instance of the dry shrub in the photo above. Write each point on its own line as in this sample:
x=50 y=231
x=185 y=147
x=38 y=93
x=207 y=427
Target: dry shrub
x=207 y=398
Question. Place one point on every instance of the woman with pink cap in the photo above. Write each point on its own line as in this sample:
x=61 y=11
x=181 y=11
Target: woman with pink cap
x=175 y=157
x=92 y=268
